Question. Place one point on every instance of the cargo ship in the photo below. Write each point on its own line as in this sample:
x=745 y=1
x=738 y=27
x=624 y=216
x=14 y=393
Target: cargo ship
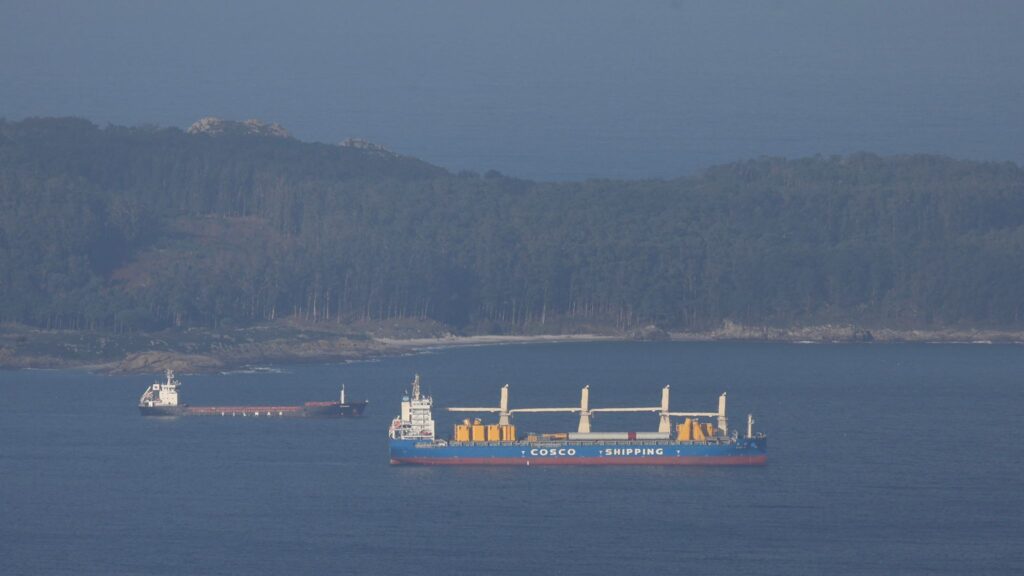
x=161 y=399
x=693 y=442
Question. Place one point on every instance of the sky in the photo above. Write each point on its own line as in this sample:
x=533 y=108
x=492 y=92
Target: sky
x=545 y=90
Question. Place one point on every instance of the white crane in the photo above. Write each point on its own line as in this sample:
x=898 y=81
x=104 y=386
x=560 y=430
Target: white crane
x=585 y=411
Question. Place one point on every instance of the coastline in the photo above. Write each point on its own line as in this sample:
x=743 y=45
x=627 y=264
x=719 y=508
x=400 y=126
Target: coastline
x=493 y=340
x=208 y=351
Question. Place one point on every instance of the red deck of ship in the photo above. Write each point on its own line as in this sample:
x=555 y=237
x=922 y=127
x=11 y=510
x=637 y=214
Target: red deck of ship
x=255 y=411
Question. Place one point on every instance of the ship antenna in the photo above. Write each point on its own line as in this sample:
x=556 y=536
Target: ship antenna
x=416 y=387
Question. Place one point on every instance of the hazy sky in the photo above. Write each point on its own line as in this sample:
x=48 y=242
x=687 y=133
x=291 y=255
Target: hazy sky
x=549 y=89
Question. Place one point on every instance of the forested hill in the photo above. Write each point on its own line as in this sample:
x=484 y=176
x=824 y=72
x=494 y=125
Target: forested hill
x=144 y=228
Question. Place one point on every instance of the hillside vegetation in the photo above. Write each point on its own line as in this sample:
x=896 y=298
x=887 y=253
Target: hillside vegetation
x=129 y=229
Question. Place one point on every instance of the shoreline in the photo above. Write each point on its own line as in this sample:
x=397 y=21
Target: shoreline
x=494 y=340
x=303 y=345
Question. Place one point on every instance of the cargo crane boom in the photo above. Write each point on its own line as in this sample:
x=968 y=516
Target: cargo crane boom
x=504 y=415
x=585 y=411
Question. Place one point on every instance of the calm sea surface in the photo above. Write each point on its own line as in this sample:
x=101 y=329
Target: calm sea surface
x=883 y=459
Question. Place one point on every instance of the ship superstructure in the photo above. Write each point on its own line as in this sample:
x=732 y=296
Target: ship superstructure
x=416 y=421
x=702 y=438
x=161 y=399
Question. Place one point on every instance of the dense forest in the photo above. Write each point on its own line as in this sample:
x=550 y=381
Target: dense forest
x=146 y=228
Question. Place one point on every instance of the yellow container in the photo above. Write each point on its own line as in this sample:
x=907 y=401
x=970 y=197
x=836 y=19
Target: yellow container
x=684 y=431
x=698 y=432
x=461 y=433
x=493 y=433
x=508 y=433
x=709 y=429
x=479 y=433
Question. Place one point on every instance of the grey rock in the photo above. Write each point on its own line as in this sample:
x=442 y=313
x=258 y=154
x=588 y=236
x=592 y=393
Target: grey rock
x=213 y=126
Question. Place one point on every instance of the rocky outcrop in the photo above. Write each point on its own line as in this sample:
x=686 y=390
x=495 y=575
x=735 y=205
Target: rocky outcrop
x=366 y=145
x=143 y=362
x=823 y=333
x=218 y=127
x=650 y=333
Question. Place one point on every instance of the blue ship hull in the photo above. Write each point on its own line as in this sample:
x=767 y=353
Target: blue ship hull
x=742 y=452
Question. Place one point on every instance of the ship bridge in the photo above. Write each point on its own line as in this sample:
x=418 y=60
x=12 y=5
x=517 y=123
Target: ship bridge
x=415 y=422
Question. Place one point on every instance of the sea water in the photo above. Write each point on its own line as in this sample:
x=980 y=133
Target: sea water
x=883 y=459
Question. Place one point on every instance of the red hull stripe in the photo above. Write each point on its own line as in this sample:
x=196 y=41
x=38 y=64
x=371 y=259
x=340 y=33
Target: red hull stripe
x=597 y=461
x=261 y=410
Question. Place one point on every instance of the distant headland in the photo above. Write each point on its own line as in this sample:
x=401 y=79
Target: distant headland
x=233 y=242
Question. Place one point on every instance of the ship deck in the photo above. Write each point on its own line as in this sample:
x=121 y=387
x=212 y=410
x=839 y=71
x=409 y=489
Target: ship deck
x=245 y=411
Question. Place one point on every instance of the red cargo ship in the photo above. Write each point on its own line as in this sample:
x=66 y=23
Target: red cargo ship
x=161 y=399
